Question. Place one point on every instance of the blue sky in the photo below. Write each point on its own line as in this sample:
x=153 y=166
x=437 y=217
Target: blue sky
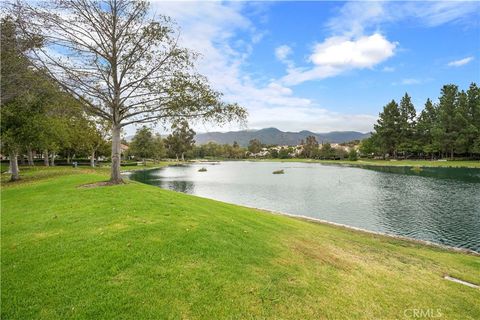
x=325 y=66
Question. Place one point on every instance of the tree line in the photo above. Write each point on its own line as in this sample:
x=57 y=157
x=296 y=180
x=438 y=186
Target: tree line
x=37 y=117
x=445 y=129
x=117 y=61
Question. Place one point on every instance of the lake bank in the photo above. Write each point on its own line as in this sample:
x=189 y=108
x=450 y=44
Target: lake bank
x=399 y=163
x=438 y=205
x=148 y=252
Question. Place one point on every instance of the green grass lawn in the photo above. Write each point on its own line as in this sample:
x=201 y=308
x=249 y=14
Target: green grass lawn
x=405 y=163
x=135 y=251
x=33 y=173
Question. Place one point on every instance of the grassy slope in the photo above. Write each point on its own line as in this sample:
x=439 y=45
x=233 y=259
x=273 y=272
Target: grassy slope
x=138 y=252
x=405 y=163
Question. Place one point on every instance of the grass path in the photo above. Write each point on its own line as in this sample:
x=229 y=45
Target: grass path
x=139 y=252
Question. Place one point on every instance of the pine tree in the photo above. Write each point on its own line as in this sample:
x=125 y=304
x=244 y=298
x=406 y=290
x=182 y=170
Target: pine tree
x=473 y=111
x=425 y=128
x=463 y=125
x=448 y=130
x=388 y=128
x=407 y=141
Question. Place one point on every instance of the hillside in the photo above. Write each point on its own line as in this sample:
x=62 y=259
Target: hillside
x=278 y=137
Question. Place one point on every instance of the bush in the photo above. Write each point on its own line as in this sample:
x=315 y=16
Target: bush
x=352 y=155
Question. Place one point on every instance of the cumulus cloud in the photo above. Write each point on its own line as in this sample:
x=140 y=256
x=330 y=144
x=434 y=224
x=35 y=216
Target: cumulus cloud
x=461 y=62
x=339 y=54
x=364 y=52
x=357 y=43
x=211 y=28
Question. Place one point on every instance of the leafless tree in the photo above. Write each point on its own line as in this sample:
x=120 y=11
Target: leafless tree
x=123 y=63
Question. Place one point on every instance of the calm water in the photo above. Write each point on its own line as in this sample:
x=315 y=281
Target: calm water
x=440 y=205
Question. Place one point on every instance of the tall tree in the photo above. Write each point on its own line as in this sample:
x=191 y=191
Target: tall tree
x=463 y=124
x=448 y=129
x=388 y=128
x=310 y=147
x=406 y=124
x=142 y=144
x=254 y=146
x=473 y=114
x=127 y=68
x=181 y=140
x=17 y=87
x=158 y=148
x=425 y=129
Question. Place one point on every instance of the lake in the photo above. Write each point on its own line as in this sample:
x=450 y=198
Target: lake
x=441 y=205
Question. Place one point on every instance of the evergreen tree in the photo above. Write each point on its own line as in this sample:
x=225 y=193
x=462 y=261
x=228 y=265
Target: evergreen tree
x=407 y=143
x=426 y=125
x=463 y=125
x=448 y=128
x=473 y=111
x=388 y=128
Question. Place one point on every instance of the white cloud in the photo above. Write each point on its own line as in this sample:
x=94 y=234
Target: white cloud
x=354 y=17
x=364 y=52
x=211 y=28
x=461 y=62
x=435 y=13
x=339 y=54
x=282 y=52
x=358 y=17
x=310 y=118
x=357 y=41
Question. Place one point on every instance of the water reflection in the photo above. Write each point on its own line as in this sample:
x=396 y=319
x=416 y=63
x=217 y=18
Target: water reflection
x=437 y=204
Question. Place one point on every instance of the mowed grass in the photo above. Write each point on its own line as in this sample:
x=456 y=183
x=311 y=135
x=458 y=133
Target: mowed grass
x=135 y=251
x=30 y=174
x=400 y=163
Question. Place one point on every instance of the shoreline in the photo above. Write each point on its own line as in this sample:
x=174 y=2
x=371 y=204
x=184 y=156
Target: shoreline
x=318 y=220
x=362 y=230
x=470 y=164
x=336 y=224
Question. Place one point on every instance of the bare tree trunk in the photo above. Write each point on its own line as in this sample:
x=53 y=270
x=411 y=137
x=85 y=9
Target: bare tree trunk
x=183 y=157
x=30 y=157
x=92 y=159
x=115 y=176
x=52 y=159
x=14 y=167
x=22 y=159
x=45 y=158
x=68 y=157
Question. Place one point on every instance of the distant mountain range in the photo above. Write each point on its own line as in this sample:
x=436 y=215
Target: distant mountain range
x=275 y=136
